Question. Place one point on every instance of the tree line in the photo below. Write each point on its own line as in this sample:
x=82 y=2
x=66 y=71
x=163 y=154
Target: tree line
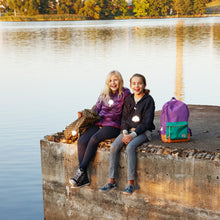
x=105 y=9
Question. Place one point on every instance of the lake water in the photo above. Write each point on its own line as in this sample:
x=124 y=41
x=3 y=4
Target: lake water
x=50 y=70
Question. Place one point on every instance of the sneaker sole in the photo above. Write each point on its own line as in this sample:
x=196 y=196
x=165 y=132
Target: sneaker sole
x=75 y=186
x=100 y=190
x=72 y=182
x=127 y=193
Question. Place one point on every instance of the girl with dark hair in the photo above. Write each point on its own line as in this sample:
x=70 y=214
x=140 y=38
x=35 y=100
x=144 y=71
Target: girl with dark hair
x=137 y=125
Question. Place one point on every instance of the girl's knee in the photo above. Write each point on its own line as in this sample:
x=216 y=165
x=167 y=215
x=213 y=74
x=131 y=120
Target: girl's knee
x=94 y=140
x=81 y=142
x=113 y=149
x=130 y=149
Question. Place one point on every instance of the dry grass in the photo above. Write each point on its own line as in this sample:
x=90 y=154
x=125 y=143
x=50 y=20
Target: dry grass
x=43 y=18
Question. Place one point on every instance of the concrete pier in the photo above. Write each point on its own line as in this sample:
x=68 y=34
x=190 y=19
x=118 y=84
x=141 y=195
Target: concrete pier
x=175 y=181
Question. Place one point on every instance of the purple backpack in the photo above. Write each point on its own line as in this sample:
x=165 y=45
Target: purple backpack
x=174 y=122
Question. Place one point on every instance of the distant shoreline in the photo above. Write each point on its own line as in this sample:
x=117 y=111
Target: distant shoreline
x=68 y=17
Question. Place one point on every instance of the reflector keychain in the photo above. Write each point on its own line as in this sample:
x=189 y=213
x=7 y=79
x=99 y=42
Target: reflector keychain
x=135 y=118
x=74 y=132
x=110 y=102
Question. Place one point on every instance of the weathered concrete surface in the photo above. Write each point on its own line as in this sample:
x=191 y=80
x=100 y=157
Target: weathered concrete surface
x=204 y=122
x=173 y=182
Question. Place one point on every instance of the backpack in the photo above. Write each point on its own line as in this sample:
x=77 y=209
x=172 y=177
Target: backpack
x=80 y=125
x=174 y=122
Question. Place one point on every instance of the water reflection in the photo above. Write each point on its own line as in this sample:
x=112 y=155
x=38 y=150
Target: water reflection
x=215 y=33
x=179 y=61
x=160 y=49
x=50 y=70
x=71 y=36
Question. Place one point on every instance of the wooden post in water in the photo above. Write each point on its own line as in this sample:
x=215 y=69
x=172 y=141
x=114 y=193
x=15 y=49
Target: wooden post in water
x=179 y=61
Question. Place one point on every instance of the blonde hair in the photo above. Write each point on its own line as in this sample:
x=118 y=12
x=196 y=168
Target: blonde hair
x=105 y=94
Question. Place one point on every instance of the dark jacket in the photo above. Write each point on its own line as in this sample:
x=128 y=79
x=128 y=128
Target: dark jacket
x=144 y=109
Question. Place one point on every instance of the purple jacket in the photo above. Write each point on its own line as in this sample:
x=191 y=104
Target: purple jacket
x=111 y=111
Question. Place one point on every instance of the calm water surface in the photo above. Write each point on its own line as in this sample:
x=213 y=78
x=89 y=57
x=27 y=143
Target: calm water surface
x=49 y=70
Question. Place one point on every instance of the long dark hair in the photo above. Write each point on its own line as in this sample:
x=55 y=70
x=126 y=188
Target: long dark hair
x=143 y=79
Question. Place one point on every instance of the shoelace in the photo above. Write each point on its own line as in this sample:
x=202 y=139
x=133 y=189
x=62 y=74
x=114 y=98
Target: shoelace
x=108 y=185
x=77 y=174
x=129 y=188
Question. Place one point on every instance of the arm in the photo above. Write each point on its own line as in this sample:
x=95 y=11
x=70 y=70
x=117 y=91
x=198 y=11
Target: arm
x=79 y=114
x=125 y=114
x=98 y=105
x=124 y=126
x=147 y=117
x=127 y=138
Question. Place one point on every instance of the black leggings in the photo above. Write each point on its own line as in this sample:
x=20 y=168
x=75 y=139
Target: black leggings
x=88 y=142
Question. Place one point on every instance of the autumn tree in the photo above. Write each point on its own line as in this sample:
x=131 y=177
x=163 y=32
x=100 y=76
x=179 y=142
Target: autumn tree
x=90 y=9
x=77 y=6
x=140 y=8
x=3 y=4
x=159 y=7
x=31 y=7
x=64 y=6
x=119 y=8
x=187 y=7
x=199 y=6
x=47 y=6
x=178 y=5
x=25 y=7
x=15 y=5
x=183 y=7
x=106 y=9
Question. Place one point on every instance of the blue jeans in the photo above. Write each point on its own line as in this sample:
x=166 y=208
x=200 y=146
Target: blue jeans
x=88 y=142
x=131 y=155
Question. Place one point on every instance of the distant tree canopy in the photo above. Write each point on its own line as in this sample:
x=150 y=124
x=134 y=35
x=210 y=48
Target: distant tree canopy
x=105 y=9
x=26 y=7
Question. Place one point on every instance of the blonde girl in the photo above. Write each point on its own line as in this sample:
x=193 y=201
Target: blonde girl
x=109 y=107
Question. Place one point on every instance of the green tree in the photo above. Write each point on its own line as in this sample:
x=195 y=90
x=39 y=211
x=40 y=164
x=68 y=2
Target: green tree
x=178 y=6
x=26 y=7
x=64 y=6
x=46 y=6
x=165 y=9
x=31 y=7
x=62 y=9
x=140 y=8
x=119 y=8
x=78 y=5
x=199 y=6
x=183 y=7
x=15 y=5
x=159 y=7
x=106 y=9
x=187 y=7
x=90 y=10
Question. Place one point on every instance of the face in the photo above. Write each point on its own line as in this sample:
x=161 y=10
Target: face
x=113 y=83
x=137 y=85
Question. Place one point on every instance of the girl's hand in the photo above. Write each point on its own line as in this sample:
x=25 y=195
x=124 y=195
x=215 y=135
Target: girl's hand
x=79 y=114
x=127 y=138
